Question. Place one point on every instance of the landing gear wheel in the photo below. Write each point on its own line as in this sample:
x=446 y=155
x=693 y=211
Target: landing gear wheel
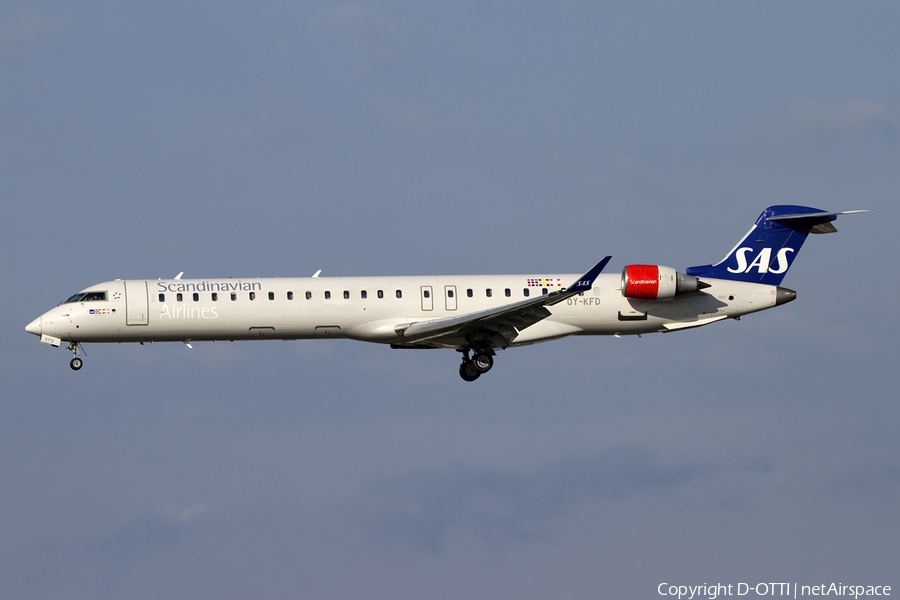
x=468 y=372
x=76 y=363
x=482 y=361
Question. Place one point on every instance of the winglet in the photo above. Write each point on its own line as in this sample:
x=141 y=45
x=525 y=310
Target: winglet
x=586 y=281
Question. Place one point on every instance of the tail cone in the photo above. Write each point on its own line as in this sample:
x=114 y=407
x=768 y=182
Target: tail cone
x=784 y=295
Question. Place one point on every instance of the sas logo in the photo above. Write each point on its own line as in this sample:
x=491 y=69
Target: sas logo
x=762 y=262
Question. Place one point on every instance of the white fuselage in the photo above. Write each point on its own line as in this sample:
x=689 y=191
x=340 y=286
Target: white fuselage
x=474 y=314
x=371 y=308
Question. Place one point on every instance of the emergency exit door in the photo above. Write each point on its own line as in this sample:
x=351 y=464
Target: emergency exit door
x=427 y=298
x=450 y=297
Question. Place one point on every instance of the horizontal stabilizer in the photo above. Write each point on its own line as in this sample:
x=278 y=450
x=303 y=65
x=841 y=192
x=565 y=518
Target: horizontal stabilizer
x=819 y=222
x=812 y=216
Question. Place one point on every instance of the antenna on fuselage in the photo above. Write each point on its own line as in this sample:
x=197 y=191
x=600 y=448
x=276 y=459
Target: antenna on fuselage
x=316 y=274
x=179 y=275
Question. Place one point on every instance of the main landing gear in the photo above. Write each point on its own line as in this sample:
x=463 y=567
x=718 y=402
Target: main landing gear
x=76 y=363
x=472 y=368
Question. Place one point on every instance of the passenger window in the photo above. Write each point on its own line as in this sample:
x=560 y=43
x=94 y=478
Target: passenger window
x=381 y=293
x=328 y=295
x=508 y=292
x=162 y=297
x=253 y=295
x=309 y=295
x=215 y=296
x=526 y=292
x=233 y=296
x=346 y=294
x=399 y=294
x=196 y=297
x=271 y=295
x=179 y=297
x=290 y=295
x=363 y=294
x=426 y=293
x=449 y=293
x=545 y=291
x=489 y=292
x=469 y=293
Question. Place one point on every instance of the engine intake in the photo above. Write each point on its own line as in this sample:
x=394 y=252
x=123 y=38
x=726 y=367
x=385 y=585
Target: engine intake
x=654 y=282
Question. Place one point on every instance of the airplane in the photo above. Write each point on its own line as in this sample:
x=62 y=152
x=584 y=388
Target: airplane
x=472 y=314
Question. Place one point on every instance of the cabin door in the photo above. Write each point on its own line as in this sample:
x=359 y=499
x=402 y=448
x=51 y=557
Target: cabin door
x=136 y=307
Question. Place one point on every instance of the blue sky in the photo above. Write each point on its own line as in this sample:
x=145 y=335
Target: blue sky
x=276 y=139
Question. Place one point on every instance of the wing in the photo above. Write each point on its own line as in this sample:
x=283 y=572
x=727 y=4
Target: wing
x=495 y=327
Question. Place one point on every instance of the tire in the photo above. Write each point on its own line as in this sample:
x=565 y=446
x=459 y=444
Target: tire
x=76 y=363
x=482 y=361
x=468 y=372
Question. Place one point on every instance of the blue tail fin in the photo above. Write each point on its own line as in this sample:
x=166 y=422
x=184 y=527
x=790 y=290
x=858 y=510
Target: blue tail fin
x=768 y=250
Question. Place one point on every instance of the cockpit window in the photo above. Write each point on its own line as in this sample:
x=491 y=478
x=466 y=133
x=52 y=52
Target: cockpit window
x=86 y=297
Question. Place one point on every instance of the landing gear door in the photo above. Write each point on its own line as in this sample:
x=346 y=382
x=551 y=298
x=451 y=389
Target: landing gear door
x=427 y=298
x=136 y=306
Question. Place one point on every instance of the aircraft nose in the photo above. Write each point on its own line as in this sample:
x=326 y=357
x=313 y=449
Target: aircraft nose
x=34 y=327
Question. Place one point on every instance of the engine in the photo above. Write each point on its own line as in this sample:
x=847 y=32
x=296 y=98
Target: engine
x=653 y=282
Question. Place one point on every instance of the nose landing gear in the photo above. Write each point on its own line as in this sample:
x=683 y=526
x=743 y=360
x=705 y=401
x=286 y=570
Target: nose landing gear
x=472 y=368
x=76 y=363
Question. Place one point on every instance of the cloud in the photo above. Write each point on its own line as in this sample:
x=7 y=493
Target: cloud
x=417 y=124
x=617 y=173
x=263 y=125
x=355 y=15
x=25 y=28
x=106 y=562
x=848 y=118
x=426 y=508
x=147 y=534
x=878 y=480
x=190 y=514
x=349 y=13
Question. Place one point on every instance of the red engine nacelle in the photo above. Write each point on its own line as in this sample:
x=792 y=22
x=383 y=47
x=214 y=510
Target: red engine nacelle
x=653 y=282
